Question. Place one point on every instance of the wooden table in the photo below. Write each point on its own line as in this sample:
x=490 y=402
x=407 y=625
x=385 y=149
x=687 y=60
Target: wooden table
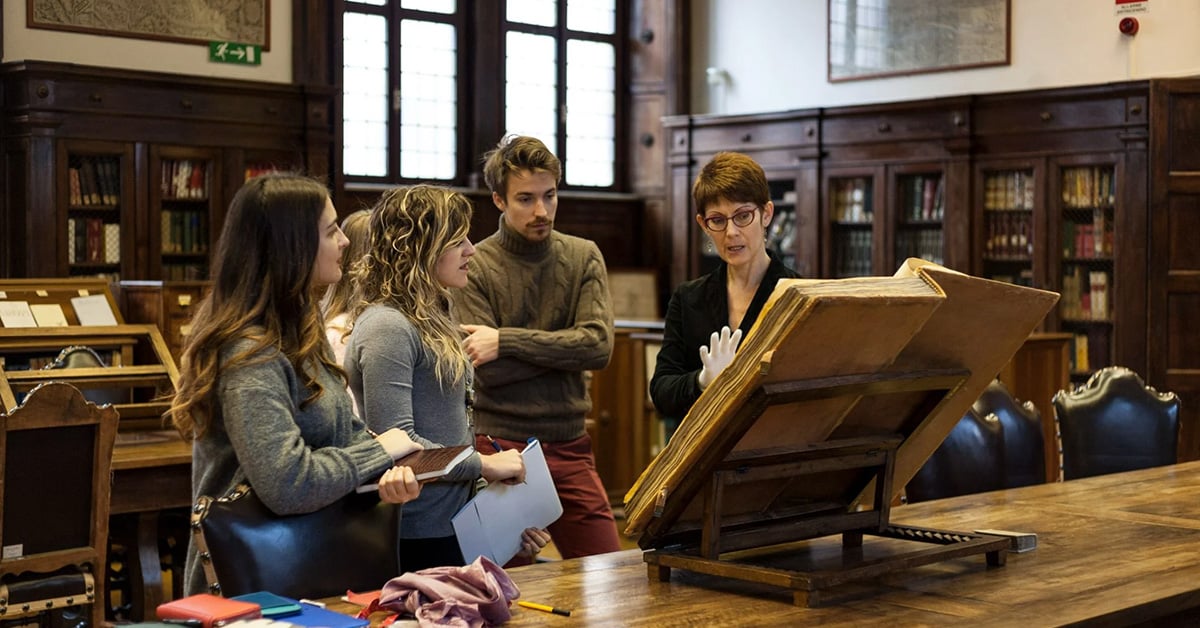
x=149 y=475
x=1112 y=550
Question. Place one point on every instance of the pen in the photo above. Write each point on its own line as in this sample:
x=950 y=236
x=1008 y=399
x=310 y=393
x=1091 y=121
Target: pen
x=542 y=607
x=494 y=443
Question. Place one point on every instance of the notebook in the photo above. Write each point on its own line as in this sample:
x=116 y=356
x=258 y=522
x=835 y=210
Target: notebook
x=429 y=464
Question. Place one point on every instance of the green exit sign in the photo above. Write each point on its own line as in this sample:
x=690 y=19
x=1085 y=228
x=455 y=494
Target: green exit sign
x=229 y=52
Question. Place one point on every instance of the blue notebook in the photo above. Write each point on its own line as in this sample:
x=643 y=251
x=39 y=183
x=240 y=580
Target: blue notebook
x=317 y=617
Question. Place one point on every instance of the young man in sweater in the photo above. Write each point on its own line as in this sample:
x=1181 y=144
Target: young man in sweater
x=537 y=314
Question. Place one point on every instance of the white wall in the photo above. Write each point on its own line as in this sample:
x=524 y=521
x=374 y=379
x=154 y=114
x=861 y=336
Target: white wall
x=775 y=53
x=21 y=43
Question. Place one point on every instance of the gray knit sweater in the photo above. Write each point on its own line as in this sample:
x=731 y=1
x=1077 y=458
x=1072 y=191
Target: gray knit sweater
x=297 y=459
x=550 y=302
x=392 y=377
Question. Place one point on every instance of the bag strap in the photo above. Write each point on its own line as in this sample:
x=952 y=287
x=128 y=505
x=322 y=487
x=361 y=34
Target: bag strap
x=199 y=512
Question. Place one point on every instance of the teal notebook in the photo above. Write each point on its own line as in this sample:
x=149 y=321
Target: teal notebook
x=273 y=605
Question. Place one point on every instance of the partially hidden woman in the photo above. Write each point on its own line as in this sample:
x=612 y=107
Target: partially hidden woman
x=406 y=363
x=339 y=297
x=708 y=316
x=259 y=393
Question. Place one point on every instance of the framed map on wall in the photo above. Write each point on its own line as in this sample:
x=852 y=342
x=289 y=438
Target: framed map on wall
x=875 y=38
x=193 y=21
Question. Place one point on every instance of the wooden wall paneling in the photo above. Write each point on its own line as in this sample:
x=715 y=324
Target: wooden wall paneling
x=1174 y=263
x=41 y=256
x=1133 y=255
x=15 y=193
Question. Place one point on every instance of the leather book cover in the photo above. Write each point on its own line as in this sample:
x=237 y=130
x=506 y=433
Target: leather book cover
x=429 y=464
x=211 y=611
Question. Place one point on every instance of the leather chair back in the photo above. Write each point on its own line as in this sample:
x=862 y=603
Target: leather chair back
x=970 y=460
x=1116 y=423
x=1024 y=442
x=55 y=475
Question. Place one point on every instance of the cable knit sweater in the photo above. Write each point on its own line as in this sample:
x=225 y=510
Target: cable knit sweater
x=550 y=302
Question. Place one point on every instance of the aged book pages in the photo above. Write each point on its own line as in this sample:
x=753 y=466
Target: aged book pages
x=926 y=317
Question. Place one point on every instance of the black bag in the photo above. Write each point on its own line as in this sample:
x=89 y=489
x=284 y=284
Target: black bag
x=351 y=544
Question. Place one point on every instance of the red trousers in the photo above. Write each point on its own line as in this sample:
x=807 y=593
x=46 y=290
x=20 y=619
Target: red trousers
x=586 y=526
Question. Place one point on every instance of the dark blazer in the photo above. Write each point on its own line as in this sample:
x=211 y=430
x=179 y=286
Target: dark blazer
x=697 y=309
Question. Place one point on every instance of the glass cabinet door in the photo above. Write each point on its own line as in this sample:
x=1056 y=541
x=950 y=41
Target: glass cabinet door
x=1085 y=214
x=1009 y=225
x=918 y=209
x=851 y=221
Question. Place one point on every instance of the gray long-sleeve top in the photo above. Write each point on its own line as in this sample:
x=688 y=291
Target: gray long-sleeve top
x=392 y=377
x=297 y=460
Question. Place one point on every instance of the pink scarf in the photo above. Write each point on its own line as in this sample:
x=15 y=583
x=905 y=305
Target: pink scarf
x=469 y=597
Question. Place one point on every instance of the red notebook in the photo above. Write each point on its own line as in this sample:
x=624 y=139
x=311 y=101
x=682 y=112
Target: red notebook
x=211 y=611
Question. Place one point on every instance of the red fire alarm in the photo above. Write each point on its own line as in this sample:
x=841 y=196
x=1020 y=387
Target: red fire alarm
x=1128 y=26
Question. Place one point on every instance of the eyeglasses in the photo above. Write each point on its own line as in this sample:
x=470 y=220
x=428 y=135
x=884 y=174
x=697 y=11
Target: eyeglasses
x=720 y=223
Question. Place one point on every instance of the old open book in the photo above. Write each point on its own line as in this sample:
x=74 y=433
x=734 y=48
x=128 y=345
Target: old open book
x=924 y=320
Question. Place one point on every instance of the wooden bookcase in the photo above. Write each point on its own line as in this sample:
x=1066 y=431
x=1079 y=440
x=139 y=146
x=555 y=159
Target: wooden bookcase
x=157 y=158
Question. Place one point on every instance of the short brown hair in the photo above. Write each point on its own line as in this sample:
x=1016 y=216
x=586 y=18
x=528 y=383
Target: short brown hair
x=733 y=177
x=515 y=153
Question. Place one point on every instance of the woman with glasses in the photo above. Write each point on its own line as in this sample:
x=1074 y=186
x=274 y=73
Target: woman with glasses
x=708 y=316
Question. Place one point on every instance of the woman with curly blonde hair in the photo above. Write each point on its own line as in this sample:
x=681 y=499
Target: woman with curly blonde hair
x=406 y=364
x=259 y=394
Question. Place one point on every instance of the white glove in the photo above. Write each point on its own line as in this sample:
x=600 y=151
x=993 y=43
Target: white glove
x=717 y=354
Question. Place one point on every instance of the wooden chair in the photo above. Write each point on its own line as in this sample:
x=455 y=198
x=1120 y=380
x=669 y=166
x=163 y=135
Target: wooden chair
x=1114 y=423
x=1024 y=444
x=970 y=460
x=56 y=450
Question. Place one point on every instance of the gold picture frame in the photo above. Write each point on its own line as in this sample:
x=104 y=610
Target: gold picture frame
x=196 y=21
x=877 y=38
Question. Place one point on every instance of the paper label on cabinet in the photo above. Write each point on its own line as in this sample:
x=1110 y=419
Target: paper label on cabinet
x=16 y=314
x=48 y=315
x=93 y=310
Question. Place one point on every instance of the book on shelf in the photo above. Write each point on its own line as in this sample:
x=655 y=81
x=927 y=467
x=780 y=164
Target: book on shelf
x=74 y=186
x=1098 y=291
x=95 y=240
x=1079 y=354
x=429 y=464
x=112 y=243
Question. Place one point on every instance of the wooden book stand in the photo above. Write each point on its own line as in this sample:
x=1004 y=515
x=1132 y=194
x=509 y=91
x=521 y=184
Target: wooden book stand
x=867 y=458
x=837 y=396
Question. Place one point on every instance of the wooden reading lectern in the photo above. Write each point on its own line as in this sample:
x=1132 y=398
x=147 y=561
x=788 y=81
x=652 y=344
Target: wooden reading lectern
x=834 y=400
